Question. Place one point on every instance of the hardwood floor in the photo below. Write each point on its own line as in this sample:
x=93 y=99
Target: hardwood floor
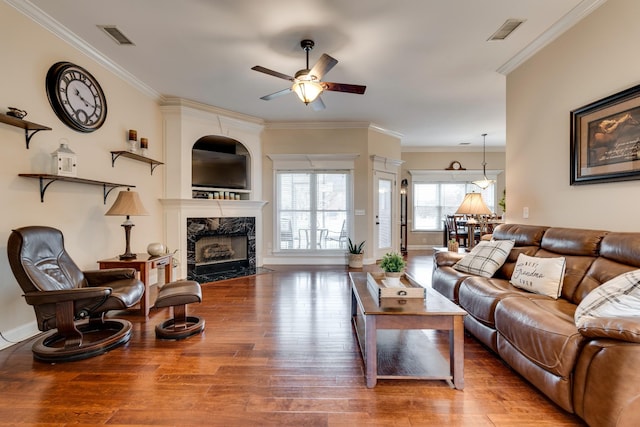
x=278 y=350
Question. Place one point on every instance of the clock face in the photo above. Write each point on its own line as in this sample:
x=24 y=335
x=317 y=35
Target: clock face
x=76 y=97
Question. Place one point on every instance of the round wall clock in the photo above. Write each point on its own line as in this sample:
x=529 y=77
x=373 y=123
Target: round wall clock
x=76 y=97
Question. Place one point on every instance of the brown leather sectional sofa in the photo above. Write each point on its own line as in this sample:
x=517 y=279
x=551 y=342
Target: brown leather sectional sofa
x=594 y=373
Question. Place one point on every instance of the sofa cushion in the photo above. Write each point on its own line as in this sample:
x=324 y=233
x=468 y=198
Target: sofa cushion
x=523 y=235
x=542 y=330
x=479 y=297
x=623 y=248
x=539 y=275
x=447 y=281
x=619 y=297
x=485 y=258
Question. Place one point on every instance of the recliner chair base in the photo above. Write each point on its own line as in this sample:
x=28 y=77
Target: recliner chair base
x=97 y=338
x=168 y=329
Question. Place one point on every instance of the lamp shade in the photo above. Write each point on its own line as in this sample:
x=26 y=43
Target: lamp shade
x=307 y=90
x=128 y=203
x=473 y=205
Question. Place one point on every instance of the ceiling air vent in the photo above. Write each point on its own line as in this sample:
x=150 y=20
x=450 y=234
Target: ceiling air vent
x=507 y=28
x=117 y=36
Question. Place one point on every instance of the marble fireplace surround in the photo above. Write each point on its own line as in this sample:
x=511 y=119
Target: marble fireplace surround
x=178 y=212
x=210 y=230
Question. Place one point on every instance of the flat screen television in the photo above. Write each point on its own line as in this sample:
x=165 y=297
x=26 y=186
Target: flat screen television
x=218 y=170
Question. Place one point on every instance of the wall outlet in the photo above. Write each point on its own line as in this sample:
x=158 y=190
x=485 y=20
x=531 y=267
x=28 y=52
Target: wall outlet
x=525 y=212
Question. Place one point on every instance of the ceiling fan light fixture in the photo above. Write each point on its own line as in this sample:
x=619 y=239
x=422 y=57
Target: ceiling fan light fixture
x=307 y=90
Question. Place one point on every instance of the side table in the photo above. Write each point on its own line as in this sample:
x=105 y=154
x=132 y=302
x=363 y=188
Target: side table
x=142 y=263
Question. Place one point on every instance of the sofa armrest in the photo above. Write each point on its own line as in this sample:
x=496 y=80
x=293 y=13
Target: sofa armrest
x=618 y=328
x=605 y=384
x=104 y=277
x=446 y=258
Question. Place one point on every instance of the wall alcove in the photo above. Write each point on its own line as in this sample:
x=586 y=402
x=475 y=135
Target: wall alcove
x=219 y=163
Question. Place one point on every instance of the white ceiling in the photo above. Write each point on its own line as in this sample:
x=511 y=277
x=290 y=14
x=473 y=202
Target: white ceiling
x=431 y=75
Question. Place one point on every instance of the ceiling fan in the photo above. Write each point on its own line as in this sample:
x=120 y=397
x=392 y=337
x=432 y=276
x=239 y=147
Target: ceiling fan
x=307 y=83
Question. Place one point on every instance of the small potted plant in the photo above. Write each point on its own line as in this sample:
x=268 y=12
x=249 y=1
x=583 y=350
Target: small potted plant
x=355 y=254
x=393 y=265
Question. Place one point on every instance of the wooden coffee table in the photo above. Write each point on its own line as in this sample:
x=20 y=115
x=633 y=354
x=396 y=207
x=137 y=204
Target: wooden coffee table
x=434 y=312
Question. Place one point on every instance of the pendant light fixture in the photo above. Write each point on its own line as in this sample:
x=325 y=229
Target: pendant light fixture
x=486 y=182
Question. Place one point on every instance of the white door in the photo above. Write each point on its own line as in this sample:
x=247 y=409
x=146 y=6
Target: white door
x=384 y=212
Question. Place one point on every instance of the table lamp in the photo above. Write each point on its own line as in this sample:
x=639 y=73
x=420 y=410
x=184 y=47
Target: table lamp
x=473 y=205
x=128 y=204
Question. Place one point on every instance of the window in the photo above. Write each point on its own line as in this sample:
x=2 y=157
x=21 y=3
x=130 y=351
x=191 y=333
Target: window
x=432 y=201
x=312 y=210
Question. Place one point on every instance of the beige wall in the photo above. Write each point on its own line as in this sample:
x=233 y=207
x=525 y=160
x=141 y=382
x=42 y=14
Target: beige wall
x=76 y=209
x=439 y=161
x=594 y=59
x=362 y=141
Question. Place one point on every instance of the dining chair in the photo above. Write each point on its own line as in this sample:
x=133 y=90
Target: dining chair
x=455 y=231
x=286 y=233
x=340 y=237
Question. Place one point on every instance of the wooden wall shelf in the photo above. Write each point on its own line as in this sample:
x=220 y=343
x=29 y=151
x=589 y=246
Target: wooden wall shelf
x=49 y=179
x=30 y=128
x=134 y=156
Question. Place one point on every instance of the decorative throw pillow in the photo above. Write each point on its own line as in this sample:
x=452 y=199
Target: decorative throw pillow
x=539 y=275
x=485 y=258
x=619 y=297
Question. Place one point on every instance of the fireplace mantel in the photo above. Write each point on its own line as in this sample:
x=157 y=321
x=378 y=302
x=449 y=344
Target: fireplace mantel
x=224 y=205
x=177 y=211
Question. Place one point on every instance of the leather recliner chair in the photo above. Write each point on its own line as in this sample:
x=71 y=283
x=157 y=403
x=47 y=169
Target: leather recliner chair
x=69 y=303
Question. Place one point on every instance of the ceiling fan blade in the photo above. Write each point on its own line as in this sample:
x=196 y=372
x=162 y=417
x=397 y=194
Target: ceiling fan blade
x=322 y=67
x=276 y=94
x=344 y=87
x=272 y=73
x=317 y=105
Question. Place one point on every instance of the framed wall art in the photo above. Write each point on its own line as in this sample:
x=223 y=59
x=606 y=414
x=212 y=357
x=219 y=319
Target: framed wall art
x=605 y=139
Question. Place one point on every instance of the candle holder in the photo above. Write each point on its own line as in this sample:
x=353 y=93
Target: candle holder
x=144 y=146
x=132 y=142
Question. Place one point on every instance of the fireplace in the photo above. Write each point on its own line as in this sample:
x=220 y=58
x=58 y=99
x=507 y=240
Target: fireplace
x=220 y=248
x=186 y=122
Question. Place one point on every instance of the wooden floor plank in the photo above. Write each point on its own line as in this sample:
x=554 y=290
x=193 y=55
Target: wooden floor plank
x=278 y=350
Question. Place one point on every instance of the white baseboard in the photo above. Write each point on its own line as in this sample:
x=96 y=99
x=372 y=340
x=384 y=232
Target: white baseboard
x=420 y=247
x=19 y=334
x=306 y=259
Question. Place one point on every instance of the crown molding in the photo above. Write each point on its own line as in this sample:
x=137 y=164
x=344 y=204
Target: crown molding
x=316 y=125
x=584 y=8
x=47 y=22
x=385 y=131
x=313 y=161
x=169 y=103
x=452 y=149
x=331 y=125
